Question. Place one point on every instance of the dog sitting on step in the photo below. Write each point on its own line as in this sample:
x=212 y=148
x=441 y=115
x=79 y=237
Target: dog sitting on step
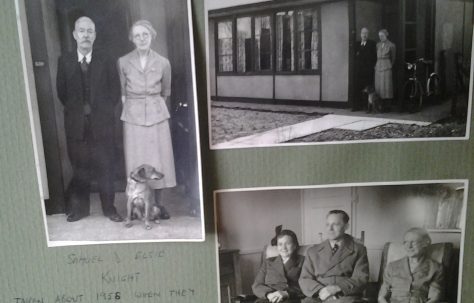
x=140 y=196
x=374 y=102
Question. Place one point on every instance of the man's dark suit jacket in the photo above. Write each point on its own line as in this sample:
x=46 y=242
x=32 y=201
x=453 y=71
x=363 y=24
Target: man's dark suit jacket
x=105 y=92
x=365 y=59
x=348 y=268
x=274 y=275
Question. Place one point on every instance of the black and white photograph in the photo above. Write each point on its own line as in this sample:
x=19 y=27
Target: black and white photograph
x=299 y=72
x=113 y=111
x=391 y=242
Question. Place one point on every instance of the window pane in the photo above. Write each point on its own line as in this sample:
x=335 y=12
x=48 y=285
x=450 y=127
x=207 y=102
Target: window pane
x=285 y=41
x=308 y=39
x=263 y=43
x=224 y=36
x=244 y=44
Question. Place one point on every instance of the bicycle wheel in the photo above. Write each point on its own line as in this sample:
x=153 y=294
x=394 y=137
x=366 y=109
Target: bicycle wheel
x=412 y=95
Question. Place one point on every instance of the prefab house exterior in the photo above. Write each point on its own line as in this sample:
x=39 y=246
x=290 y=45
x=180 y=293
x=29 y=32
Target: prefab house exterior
x=301 y=51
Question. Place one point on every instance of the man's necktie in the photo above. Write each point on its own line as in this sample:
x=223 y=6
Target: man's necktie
x=335 y=248
x=84 y=65
x=84 y=68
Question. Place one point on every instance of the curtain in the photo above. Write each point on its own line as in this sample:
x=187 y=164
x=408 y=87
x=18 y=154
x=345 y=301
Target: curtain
x=263 y=48
x=279 y=38
x=285 y=41
x=224 y=36
x=308 y=39
x=244 y=36
x=315 y=42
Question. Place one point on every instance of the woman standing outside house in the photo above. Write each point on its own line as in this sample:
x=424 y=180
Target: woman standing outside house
x=386 y=54
x=146 y=84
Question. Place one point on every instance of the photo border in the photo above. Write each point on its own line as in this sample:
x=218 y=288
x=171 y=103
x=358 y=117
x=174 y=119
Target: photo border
x=352 y=184
x=466 y=137
x=37 y=140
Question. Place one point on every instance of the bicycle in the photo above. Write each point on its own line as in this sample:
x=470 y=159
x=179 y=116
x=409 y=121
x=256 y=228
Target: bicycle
x=414 y=91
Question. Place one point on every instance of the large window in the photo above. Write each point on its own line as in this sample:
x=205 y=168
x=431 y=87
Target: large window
x=254 y=44
x=308 y=39
x=285 y=41
x=224 y=47
x=281 y=41
x=263 y=43
x=244 y=44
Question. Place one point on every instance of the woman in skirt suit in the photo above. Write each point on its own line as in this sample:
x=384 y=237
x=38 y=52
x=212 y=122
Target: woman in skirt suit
x=146 y=84
x=383 y=68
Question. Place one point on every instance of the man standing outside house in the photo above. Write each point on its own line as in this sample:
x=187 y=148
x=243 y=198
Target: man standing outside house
x=365 y=59
x=88 y=87
x=336 y=270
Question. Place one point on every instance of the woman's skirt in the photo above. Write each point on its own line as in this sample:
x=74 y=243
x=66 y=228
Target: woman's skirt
x=384 y=83
x=150 y=145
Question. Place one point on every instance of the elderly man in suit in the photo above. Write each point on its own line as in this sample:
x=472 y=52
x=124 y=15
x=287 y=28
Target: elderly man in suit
x=365 y=59
x=336 y=270
x=88 y=87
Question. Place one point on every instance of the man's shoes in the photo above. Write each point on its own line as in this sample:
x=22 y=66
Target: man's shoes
x=164 y=214
x=115 y=218
x=74 y=217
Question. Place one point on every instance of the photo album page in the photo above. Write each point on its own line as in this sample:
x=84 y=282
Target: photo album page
x=236 y=151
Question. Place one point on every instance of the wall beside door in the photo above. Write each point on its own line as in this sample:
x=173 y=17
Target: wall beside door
x=153 y=11
x=368 y=14
x=335 y=51
x=183 y=119
x=453 y=28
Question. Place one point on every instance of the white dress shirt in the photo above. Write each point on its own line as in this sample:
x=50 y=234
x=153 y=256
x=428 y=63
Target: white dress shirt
x=81 y=56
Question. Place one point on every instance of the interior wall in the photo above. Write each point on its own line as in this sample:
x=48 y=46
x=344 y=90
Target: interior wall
x=384 y=213
x=335 y=51
x=369 y=15
x=247 y=220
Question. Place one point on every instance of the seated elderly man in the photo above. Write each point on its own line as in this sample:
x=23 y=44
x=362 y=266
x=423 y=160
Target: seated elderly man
x=415 y=278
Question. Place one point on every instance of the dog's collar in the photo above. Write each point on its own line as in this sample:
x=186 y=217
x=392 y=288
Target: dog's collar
x=138 y=181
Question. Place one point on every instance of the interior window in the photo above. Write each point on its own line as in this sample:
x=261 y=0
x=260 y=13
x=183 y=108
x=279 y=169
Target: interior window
x=244 y=44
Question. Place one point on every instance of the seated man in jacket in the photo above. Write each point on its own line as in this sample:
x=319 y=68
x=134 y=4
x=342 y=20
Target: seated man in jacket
x=415 y=278
x=336 y=270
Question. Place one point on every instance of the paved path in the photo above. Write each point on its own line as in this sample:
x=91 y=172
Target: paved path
x=290 y=132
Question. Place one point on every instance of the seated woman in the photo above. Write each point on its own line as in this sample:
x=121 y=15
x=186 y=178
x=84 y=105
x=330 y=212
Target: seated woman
x=277 y=279
x=415 y=278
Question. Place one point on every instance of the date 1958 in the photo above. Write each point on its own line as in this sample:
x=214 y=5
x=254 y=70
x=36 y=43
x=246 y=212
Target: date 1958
x=108 y=296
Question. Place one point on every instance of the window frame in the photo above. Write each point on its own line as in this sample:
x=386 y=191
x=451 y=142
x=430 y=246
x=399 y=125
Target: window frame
x=271 y=12
x=216 y=43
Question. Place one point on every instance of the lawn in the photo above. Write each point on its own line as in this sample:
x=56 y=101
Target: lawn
x=229 y=123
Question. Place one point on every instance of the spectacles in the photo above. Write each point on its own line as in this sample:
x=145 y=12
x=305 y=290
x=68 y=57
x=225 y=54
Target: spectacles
x=412 y=243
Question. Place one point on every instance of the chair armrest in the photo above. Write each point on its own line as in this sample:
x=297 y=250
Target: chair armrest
x=244 y=298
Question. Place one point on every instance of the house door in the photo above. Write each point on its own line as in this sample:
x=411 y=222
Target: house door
x=316 y=205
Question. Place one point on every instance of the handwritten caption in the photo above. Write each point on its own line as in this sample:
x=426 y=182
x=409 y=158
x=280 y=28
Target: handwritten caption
x=114 y=279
